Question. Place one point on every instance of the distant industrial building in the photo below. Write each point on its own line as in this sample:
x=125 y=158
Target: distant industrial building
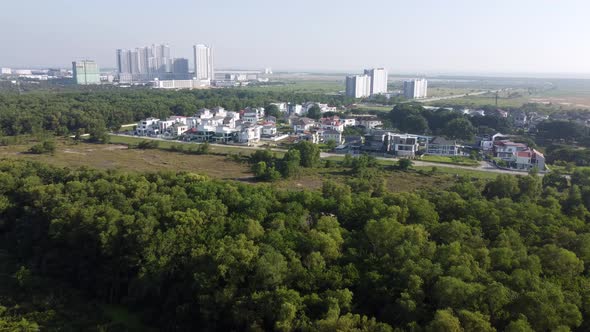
x=358 y=86
x=378 y=80
x=203 y=61
x=181 y=84
x=85 y=72
x=5 y=71
x=416 y=89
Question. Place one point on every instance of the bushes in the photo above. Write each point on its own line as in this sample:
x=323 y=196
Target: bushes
x=148 y=144
x=43 y=147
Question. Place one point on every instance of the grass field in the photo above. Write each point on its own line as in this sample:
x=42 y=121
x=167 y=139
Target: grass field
x=167 y=145
x=449 y=160
x=120 y=157
x=300 y=86
x=482 y=100
x=133 y=160
x=459 y=172
x=366 y=107
x=448 y=91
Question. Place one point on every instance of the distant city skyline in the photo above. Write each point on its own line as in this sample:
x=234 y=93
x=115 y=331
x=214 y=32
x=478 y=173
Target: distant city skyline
x=418 y=38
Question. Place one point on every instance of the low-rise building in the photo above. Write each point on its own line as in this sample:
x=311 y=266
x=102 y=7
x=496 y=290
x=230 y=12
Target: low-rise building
x=506 y=150
x=148 y=127
x=181 y=84
x=530 y=159
x=440 y=146
x=303 y=124
x=404 y=145
x=348 y=122
x=269 y=130
x=250 y=134
x=332 y=135
x=369 y=123
x=295 y=109
x=281 y=106
x=309 y=137
x=332 y=123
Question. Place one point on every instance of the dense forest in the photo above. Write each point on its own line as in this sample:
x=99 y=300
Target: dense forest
x=189 y=253
x=72 y=111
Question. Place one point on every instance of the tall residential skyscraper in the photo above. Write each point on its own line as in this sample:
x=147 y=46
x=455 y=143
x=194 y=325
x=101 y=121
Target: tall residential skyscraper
x=203 y=61
x=144 y=54
x=161 y=63
x=85 y=72
x=145 y=63
x=416 y=89
x=378 y=78
x=123 y=66
x=358 y=86
x=134 y=62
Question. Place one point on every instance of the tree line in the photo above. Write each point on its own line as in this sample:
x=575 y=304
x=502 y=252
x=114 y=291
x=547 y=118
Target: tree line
x=75 y=112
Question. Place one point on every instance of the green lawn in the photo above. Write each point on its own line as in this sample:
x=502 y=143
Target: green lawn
x=168 y=145
x=450 y=160
x=302 y=86
x=459 y=172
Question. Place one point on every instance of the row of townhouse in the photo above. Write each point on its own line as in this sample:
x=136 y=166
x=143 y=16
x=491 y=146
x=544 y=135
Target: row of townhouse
x=216 y=125
x=328 y=128
x=334 y=123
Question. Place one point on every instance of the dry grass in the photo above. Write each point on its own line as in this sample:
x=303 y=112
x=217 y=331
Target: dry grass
x=121 y=158
x=134 y=160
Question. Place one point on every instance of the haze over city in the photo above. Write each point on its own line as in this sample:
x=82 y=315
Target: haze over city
x=457 y=36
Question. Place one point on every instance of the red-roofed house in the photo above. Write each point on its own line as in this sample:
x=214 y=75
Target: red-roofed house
x=506 y=150
x=529 y=159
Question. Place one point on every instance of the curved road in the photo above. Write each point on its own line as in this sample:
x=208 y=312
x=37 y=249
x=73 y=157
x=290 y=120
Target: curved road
x=484 y=166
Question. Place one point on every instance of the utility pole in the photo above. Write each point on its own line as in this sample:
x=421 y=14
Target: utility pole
x=496 y=99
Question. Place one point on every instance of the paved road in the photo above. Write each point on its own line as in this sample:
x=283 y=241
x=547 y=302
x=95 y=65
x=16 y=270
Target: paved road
x=483 y=165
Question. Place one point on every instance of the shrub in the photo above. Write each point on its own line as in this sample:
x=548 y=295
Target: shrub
x=44 y=147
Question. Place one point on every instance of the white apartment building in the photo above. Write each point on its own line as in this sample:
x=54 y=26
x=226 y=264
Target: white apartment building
x=416 y=89
x=358 y=86
x=378 y=80
x=203 y=61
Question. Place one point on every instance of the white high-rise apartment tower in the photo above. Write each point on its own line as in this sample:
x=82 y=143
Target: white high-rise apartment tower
x=203 y=61
x=378 y=78
x=416 y=89
x=358 y=86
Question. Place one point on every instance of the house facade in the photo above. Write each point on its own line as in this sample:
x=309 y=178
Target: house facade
x=440 y=146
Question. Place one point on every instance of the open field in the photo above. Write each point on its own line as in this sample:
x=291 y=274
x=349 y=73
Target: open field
x=449 y=91
x=369 y=107
x=116 y=156
x=303 y=86
x=133 y=160
x=459 y=172
x=167 y=145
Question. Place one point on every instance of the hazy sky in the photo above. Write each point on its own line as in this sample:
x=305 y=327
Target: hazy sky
x=411 y=36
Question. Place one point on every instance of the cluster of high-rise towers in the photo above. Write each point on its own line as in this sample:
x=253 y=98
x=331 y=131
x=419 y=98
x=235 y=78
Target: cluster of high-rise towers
x=155 y=62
